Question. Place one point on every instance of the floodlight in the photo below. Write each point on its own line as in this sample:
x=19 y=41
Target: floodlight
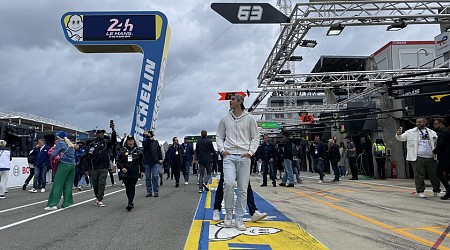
x=278 y=79
x=290 y=82
x=285 y=71
x=335 y=30
x=396 y=26
x=308 y=43
x=296 y=58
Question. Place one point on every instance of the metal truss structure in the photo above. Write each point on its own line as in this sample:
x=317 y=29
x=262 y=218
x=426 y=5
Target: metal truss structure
x=343 y=13
x=37 y=119
x=371 y=81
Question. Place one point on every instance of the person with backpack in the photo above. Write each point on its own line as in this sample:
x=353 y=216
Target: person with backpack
x=334 y=156
x=31 y=160
x=380 y=157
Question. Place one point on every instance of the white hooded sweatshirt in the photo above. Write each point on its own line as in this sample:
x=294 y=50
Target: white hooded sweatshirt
x=237 y=135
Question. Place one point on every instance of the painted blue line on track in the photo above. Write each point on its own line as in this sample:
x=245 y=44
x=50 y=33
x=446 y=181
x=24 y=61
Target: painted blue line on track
x=204 y=236
x=262 y=205
x=236 y=246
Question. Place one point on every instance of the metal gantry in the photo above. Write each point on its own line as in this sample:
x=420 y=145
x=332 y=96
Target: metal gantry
x=345 y=13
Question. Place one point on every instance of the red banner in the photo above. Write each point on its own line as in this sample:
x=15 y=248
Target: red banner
x=224 y=96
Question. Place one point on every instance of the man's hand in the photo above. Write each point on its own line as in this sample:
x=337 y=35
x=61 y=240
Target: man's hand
x=124 y=170
x=247 y=155
x=160 y=161
x=225 y=153
x=271 y=160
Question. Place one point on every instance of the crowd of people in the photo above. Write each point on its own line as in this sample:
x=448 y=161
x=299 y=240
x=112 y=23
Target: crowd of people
x=239 y=153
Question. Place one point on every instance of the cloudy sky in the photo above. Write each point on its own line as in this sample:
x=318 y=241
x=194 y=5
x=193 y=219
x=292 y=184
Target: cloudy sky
x=43 y=74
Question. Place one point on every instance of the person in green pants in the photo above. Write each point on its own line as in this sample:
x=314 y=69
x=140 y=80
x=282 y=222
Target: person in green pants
x=62 y=184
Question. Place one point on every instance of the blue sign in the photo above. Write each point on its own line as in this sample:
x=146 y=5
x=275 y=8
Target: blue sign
x=144 y=32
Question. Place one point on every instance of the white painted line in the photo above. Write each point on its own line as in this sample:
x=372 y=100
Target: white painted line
x=55 y=211
x=39 y=202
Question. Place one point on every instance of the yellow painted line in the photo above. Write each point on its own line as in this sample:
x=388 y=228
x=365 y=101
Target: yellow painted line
x=375 y=222
x=328 y=197
x=433 y=230
x=194 y=235
x=208 y=198
x=420 y=228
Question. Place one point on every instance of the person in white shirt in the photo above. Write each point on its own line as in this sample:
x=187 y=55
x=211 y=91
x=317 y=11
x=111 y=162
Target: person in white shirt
x=420 y=143
x=5 y=165
x=237 y=140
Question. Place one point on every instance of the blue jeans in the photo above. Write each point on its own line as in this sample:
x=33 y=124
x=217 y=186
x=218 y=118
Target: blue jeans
x=288 y=172
x=152 y=176
x=318 y=166
x=187 y=167
x=236 y=167
x=40 y=172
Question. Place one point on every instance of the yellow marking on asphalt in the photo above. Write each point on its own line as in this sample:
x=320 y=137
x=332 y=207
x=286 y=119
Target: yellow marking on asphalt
x=291 y=236
x=375 y=222
x=194 y=235
x=433 y=230
x=328 y=197
x=420 y=228
x=208 y=198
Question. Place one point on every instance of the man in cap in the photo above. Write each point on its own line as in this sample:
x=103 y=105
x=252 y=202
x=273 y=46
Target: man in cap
x=98 y=160
x=237 y=140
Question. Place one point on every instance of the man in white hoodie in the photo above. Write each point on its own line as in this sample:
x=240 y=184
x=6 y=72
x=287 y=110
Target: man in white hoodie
x=420 y=143
x=237 y=140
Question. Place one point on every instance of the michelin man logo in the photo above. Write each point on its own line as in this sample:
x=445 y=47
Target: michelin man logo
x=218 y=232
x=74 y=27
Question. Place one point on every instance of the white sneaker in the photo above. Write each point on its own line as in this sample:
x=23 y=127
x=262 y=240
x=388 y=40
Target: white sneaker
x=43 y=190
x=258 y=216
x=421 y=195
x=50 y=208
x=320 y=182
x=32 y=190
x=438 y=194
x=240 y=223
x=227 y=219
x=80 y=188
x=186 y=183
x=216 y=215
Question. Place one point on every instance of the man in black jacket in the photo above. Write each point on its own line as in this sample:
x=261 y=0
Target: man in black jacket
x=175 y=159
x=98 y=158
x=204 y=152
x=266 y=153
x=334 y=156
x=288 y=157
x=442 y=150
x=152 y=159
x=317 y=150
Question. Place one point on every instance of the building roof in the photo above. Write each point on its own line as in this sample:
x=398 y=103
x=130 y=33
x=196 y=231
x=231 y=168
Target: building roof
x=41 y=123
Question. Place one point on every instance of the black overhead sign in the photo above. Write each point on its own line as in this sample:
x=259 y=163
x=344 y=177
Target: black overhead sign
x=249 y=13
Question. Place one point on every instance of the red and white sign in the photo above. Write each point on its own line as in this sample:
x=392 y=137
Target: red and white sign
x=224 y=96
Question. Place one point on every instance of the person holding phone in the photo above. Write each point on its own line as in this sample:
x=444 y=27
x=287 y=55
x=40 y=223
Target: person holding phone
x=420 y=143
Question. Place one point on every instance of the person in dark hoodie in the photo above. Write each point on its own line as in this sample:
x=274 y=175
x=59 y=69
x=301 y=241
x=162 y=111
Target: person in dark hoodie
x=266 y=154
x=152 y=159
x=98 y=160
x=334 y=156
x=205 y=153
x=131 y=164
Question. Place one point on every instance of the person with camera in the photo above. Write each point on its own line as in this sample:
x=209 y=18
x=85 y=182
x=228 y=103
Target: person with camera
x=131 y=164
x=152 y=159
x=98 y=158
x=420 y=143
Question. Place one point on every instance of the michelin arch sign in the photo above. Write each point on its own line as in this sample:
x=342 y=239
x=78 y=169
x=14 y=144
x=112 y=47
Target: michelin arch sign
x=145 y=32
